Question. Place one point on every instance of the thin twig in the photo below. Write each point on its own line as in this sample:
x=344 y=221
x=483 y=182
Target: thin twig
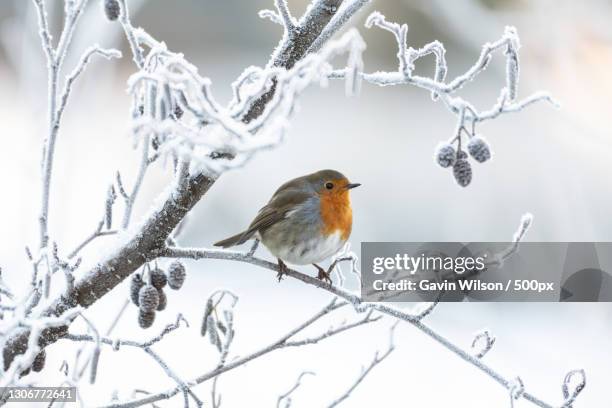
x=97 y=233
x=142 y=170
x=288 y=21
x=283 y=342
x=55 y=58
x=364 y=372
x=126 y=23
x=286 y=397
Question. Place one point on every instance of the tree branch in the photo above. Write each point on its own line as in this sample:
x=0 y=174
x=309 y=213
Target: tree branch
x=55 y=58
x=143 y=242
x=414 y=319
x=288 y=20
x=378 y=358
x=281 y=343
x=293 y=48
x=286 y=397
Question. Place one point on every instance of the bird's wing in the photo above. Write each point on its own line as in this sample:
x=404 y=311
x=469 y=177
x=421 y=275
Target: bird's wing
x=276 y=210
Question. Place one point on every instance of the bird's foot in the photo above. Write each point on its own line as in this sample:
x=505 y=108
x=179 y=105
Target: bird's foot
x=323 y=274
x=282 y=269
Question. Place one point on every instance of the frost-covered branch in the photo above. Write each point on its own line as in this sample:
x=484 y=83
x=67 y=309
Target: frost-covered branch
x=124 y=19
x=56 y=105
x=498 y=259
x=270 y=15
x=78 y=70
x=468 y=116
x=78 y=373
x=35 y=326
x=285 y=398
x=96 y=353
x=288 y=20
x=415 y=318
x=55 y=58
x=344 y=255
x=286 y=341
x=378 y=358
x=68 y=269
x=130 y=199
x=116 y=344
x=346 y=11
x=282 y=16
x=517 y=389
x=571 y=392
x=98 y=232
x=215 y=138
x=311 y=26
x=355 y=300
x=487 y=342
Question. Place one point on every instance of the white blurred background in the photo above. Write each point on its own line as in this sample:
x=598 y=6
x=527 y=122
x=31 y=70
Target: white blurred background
x=552 y=163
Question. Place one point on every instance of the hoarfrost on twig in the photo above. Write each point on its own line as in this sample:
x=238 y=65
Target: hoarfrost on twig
x=483 y=337
x=468 y=116
x=285 y=398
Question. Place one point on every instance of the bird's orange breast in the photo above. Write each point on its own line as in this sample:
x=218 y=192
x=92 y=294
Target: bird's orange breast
x=336 y=214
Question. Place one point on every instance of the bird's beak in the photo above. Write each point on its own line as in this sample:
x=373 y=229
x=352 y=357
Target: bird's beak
x=352 y=185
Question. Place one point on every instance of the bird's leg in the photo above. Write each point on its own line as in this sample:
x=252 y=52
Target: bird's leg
x=253 y=247
x=323 y=274
x=282 y=269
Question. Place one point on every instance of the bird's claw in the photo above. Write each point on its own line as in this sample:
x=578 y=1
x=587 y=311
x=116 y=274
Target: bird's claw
x=282 y=270
x=323 y=274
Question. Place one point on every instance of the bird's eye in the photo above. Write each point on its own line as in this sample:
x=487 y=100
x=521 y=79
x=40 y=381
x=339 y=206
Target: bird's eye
x=329 y=186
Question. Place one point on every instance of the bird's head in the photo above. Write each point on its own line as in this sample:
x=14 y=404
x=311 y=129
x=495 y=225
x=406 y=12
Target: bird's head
x=331 y=183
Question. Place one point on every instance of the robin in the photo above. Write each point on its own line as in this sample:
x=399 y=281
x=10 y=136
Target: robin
x=307 y=220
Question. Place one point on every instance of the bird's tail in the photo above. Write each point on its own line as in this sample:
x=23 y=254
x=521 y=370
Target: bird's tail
x=234 y=240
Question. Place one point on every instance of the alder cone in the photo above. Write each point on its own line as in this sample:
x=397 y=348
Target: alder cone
x=158 y=278
x=176 y=275
x=148 y=298
x=163 y=300
x=462 y=172
x=39 y=361
x=112 y=9
x=445 y=155
x=479 y=149
x=136 y=284
x=146 y=319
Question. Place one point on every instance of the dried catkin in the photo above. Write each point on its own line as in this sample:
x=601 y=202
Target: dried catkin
x=207 y=312
x=213 y=335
